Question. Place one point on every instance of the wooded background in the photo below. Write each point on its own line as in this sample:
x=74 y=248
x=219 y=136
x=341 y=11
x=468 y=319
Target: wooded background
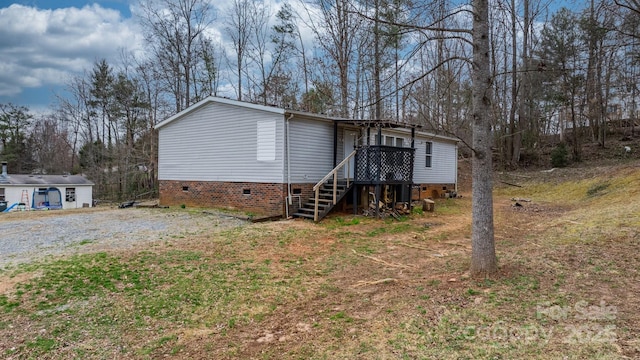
x=561 y=78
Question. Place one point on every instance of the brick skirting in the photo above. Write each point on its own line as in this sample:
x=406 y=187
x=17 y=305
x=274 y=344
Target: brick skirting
x=433 y=191
x=264 y=199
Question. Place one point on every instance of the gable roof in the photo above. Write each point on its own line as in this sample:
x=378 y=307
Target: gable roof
x=219 y=100
x=392 y=124
x=43 y=180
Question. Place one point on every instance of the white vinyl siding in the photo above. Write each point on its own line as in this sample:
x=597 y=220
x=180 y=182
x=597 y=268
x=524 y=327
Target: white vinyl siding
x=311 y=145
x=219 y=142
x=444 y=162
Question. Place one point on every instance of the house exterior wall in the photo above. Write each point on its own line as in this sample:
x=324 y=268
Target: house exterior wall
x=264 y=199
x=219 y=142
x=311 y=149
x=215 y=152
x=444 y=162
x=444 y=157
x=84 y=194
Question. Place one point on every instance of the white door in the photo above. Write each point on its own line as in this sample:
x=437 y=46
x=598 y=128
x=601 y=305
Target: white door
x=349 y=137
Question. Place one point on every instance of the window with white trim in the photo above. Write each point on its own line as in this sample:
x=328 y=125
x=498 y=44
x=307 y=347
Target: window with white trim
x=2 y=198
x=70 y=194
x=389 y=140
x=428 y=153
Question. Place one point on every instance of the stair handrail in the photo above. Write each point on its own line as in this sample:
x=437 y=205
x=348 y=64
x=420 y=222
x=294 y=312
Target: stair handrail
x=334 y=172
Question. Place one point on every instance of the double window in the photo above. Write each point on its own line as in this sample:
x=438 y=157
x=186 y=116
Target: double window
x=389 y=140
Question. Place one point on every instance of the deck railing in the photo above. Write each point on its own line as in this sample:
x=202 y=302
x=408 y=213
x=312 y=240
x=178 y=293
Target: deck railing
x=344 y=163
x=379 y=164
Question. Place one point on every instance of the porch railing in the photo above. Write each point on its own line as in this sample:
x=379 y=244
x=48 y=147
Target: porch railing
x=344 y=163
x=379 y=164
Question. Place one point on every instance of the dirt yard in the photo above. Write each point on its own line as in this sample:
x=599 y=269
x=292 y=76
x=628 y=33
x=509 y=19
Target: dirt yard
x=348 y=287
x=33 y=235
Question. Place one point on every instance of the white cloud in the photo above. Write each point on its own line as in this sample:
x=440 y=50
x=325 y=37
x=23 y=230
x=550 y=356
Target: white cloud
x=40 y=47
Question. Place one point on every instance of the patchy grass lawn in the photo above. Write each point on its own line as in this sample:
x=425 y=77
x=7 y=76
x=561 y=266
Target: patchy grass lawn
x=353 y=287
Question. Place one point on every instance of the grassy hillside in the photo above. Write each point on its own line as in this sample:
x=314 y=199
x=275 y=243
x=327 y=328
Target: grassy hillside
x=357 y=288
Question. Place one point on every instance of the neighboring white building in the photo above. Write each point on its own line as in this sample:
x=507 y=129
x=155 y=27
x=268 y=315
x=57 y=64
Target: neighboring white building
x=37 y=192
x=264 y=159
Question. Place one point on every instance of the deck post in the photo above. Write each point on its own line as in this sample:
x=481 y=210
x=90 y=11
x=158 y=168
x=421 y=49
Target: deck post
x=315 y=211
x=377 y=199
x=335 y=188
x=355 y=200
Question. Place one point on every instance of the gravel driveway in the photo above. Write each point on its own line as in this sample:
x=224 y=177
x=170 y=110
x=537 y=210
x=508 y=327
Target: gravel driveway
x=32 y=235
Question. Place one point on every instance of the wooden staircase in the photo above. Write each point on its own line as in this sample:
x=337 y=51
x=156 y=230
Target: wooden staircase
x=328 y=192
x=325 y=200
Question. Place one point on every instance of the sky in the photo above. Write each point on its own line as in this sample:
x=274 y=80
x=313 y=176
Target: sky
x=45 y=43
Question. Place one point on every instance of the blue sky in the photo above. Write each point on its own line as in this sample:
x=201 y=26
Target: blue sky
x=43 y=44
x=120 y=5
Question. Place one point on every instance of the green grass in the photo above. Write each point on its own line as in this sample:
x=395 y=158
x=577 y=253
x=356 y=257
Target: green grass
x=147 y=289
x=241 y=283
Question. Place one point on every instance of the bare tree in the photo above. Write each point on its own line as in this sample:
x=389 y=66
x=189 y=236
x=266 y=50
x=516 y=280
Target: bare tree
x=239 y=28
x=174 y=29
x=50 y=147
x=337 y=28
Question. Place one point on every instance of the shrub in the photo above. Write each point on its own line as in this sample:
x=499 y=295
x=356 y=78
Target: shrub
x=560 y=156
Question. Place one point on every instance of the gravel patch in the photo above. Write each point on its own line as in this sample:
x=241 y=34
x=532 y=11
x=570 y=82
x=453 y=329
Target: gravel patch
x=29 y=236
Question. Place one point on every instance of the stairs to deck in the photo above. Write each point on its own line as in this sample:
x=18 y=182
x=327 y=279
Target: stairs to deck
x=325 y=200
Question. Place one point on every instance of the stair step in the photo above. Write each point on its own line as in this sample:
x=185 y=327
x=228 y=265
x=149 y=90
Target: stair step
x=321 y=200
x=311 y=205
x=330 y=193
x=330 y=185
x=308 y=216
x=325 y=200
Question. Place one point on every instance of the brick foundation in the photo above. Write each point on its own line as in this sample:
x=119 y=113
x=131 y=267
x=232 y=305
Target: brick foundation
x=263 y=199
x=433 y=191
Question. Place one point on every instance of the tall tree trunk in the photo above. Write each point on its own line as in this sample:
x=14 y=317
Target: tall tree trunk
x=483 y=254
x=513 y=129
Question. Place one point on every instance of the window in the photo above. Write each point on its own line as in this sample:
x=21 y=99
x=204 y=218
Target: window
x=246 y=191
x=70 y=194
x=2 y=194
x=185 y=188
x=429 y=153
x=389 y=140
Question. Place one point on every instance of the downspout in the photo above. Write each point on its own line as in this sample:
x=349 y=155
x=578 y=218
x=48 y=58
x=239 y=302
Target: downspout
x=413 y=164
x=289 y=200
x=456 y=172
x=335 y=143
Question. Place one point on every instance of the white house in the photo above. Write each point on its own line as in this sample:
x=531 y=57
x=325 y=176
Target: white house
x=267 y=160
x=18 y=192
